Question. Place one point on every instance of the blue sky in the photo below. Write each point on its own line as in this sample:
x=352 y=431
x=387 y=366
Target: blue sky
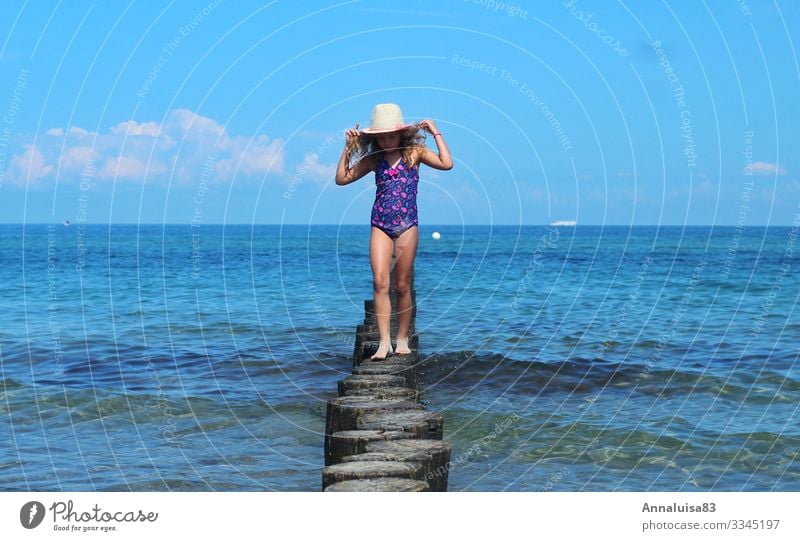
x=232 y=112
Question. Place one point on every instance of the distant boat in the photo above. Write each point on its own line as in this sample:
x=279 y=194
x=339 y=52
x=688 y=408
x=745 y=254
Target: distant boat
x=66 y=222
x=564 y=222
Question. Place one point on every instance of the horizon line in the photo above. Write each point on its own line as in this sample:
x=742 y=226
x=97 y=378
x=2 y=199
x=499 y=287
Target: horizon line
x=427 y=225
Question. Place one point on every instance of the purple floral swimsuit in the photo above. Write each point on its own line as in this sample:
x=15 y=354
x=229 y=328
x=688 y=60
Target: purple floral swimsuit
x=395 y=207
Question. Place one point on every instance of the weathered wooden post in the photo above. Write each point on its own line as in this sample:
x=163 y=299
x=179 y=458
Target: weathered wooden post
x=378 y=437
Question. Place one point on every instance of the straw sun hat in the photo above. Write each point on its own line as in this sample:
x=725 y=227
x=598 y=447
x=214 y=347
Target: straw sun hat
x=386 y=118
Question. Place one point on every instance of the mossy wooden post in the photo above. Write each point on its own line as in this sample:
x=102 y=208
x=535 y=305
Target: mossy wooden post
x=434 y=454
x=343 y=412
x=408 y=372
x=367 y=469
x=354 y=382
x=388 y=393
x=423 y=424
x=353 y=442
x=378 y=436
x=379 y=484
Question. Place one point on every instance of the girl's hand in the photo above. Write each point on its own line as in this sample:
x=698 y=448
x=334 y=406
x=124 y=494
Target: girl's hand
x=427 y=125
x=352 y=134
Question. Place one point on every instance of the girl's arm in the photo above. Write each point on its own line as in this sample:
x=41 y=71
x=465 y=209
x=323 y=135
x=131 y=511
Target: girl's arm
x=443 y=160
x=344 y=175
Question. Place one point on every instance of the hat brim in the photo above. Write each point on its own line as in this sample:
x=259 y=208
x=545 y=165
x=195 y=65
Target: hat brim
x=370 y=131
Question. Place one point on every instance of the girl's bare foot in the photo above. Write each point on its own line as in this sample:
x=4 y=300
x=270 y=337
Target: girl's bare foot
x=402 y=346
x=384 y=349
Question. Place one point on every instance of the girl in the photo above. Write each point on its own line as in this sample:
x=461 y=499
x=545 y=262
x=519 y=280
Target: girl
x=394 y=151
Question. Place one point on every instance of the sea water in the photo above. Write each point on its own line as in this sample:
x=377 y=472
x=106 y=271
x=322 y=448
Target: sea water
x=172 y=357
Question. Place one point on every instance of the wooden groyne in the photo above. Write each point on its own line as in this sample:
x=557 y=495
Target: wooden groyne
x=378 y=436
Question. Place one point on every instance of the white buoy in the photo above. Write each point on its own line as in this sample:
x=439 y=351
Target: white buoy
x=436 y=235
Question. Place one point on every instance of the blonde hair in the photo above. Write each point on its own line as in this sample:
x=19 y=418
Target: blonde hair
x=365 y=146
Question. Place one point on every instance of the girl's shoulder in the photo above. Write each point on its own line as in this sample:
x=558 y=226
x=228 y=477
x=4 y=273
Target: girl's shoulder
x=416 y=153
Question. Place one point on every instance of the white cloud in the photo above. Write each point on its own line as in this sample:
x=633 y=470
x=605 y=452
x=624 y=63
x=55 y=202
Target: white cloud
x=131 y=127
x=75 y=158
x=80 y=132
x=30 y=165
x=765 y=168
x=176 y=147
x=313 y=170
x=123 y=167
x=194 y=125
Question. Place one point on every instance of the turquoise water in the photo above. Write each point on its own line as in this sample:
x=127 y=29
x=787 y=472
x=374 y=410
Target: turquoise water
x=592 y=358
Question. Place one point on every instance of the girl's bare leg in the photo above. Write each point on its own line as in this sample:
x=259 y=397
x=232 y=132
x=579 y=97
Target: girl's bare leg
x=380 y=257
x=405 y=252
